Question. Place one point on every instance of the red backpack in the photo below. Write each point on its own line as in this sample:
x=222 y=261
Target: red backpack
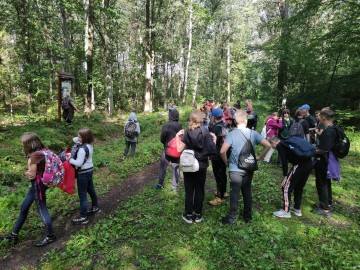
x=171 y=149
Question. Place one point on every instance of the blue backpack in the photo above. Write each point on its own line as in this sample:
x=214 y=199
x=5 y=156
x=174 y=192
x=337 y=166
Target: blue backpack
x=299 y=147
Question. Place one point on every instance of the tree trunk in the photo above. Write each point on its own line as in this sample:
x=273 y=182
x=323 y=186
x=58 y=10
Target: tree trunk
x=148 y=55
x=196 y=85
x=283 y=65
x=189 y=52
x=66 y=36
x=89 y=54
x=181 y=72
x=228 y=69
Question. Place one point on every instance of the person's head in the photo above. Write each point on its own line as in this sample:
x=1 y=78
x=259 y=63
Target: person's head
x=274 y=141
x=299 y=113
x=241 y=117
x=275 y=115
x=216 y=115
x=85 y=136
x=31 y=143
x=317 y=115
x=305 y=108
x=196 y=120
x=286 y=113
x=207 y=109
x=326 y=115
x=174 y=115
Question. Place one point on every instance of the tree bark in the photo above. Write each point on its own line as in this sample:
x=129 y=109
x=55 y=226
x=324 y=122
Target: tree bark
x=228 y=70
x=148 y=58
x=189 y=52
x=89 y=54
x=196 y=85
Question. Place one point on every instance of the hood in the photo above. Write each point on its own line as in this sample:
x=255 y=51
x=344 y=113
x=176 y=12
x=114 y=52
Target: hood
x=174 y=115
x=132 y=117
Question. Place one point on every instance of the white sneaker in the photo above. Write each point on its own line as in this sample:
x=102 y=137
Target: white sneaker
x=297 y=212
x=282 y=214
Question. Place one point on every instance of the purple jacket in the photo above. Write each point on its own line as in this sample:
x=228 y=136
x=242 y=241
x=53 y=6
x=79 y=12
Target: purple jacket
x=272 y=127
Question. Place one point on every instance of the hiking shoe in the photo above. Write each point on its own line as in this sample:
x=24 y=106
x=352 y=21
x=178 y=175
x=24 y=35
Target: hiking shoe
x=188 y=218
x=227 y=220
x=226 y=195
x=282 y=214
x=322 y=212
x=47 y=240
x=198 y=218
x=80 y=221
x=93 y=210
x=13 y=238
x=216 y=201
x=297 y=212
x=158 y=186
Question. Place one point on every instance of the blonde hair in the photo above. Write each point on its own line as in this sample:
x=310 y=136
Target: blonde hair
x=31 y=143
x=196 y=120
x=241 y=116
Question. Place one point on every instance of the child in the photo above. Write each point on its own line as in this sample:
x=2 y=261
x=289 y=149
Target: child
x=131 y=141
x=36 y=166
x=84 y=167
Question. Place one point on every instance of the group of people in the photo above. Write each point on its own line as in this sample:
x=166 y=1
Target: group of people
x=229 y=139
x=82 y=160
x=218 y=140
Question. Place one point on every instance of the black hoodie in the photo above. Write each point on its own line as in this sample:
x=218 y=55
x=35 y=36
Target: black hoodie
x=170 y=129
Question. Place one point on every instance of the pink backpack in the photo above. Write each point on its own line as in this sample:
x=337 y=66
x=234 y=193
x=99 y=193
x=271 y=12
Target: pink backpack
x=54 y=169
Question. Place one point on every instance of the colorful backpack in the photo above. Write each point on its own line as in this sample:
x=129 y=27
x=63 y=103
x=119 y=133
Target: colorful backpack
x=130 y=129
x=54 y=169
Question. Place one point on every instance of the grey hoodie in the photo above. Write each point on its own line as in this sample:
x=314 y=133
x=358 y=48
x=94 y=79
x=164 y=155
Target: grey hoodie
x=133 y=118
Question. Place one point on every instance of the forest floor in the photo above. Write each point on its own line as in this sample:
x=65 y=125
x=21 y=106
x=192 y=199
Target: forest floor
x=25 y=254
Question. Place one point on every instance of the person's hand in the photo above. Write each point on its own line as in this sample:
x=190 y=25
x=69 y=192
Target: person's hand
x=213 y=137
x=30 y=175
x=68 y=156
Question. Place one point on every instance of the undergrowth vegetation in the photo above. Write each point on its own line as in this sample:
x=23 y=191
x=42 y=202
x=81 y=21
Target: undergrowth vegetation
x=147 y=232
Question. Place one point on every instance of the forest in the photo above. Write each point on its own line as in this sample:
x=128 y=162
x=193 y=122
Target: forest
x=142 y=56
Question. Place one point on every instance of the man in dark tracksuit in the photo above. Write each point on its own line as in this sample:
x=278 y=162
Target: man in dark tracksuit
x=294 y=181
x=219 y=167
x=168 y=132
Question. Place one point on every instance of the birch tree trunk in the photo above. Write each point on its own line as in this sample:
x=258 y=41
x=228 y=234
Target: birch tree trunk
x=228 y=70
x=189 y=52
x=196 y=85
x=108 y=61
x=181 y=72
x=89 y=53
x=148 y=58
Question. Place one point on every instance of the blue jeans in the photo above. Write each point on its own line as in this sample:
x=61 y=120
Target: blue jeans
x=85 y=185
x=34 y=195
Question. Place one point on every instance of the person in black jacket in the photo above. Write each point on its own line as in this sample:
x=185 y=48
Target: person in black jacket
x=168 y=132
x=294 y=180
x=218 y=166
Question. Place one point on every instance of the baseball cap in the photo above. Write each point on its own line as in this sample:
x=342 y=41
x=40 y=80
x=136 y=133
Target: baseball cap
x=217 y=113
x=305 y=107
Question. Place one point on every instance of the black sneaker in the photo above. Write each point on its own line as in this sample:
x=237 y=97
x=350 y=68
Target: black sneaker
x=198 y=218
x=227 y=220
x=158 y=186
x=93 y=210
x=188 y=218
x=80 y=221
x=47 y=240
x=13 y=238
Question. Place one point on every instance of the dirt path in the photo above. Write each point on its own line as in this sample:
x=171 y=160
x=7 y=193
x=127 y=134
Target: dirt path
x=25 y=254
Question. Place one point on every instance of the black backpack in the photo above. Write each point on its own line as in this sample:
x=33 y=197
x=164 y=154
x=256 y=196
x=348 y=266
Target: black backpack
x=342 y=145
x=299 y=147
x=65 y=103
x=247 y=158
x=130 y=129
x=296 y=129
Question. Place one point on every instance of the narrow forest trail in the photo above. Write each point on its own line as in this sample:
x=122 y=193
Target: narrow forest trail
x=24 y=254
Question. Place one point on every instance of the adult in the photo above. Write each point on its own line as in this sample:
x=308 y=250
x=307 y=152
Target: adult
x=240 y=180
x=200 y=140
x=218 y=166
x=37 y=191
x=273 y=125
x=294 y=180
x=227 y=116
x=237 y=105
x=327 y=141
x=319 y=127
x=208 y=104
x=310 y=120
x=168 y=132
x=68 y=106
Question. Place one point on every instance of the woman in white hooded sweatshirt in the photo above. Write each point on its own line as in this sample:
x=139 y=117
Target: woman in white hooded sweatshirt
x=84 y=168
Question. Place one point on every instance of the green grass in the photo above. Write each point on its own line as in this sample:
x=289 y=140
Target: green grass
x=147 y=232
